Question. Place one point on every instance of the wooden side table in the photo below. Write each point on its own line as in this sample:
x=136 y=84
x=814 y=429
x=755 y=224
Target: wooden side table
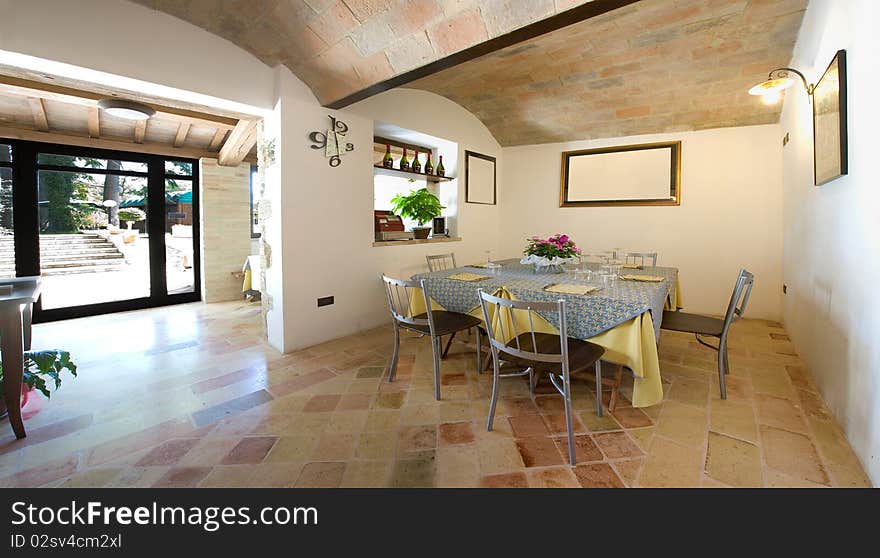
x=16 y=309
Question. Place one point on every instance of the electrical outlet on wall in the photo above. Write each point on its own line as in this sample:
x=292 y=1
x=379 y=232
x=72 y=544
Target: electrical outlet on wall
x=325 y=301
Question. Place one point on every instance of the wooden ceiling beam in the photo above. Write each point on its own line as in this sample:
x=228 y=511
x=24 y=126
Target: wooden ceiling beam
x=38 y=110
x=94 y=123
x=239 y=143
x=118 y=144
x=182 y=131
x=29 y=88
x=140 y=130
x=217 y=140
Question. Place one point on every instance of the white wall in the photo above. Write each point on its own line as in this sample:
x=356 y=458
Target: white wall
x=729 y=217
x=131 y=40
x=324 y=246
x=832 y=236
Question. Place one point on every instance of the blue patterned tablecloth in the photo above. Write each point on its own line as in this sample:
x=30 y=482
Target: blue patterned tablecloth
x=588 y=315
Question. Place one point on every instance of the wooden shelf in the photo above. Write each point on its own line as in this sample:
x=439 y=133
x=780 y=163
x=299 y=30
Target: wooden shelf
x=411 y=174
x=416 y=241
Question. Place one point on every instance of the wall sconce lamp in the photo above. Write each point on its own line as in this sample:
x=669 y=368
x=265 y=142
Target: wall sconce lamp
x=777 y=81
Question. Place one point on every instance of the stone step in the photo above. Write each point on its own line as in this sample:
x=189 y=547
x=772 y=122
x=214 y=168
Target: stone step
x=81 y=263
x=53 y=258
x=78 y=270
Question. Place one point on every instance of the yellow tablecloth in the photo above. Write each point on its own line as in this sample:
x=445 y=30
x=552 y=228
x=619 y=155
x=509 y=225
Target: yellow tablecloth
x=631 y=343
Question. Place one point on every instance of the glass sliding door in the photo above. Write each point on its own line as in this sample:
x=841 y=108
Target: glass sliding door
x=7 y=240
x=108 y=231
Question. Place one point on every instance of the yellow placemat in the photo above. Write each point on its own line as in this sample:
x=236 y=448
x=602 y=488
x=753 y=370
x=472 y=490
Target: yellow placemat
x=632 y=266
x=570 y=289
x=466 y=276
x=648 y=278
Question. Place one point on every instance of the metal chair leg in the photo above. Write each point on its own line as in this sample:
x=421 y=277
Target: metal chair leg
x=721 y=373
x=598 y=369
x=395 y=354
x=615 y=391
x=494 y=400
x=568 y=422
x=479 y=351
x=448 y=344
x=435 y=349
x=533 y=376
x=723 y=348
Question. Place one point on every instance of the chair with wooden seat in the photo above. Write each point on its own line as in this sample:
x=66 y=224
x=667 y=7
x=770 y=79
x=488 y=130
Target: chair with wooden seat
x=707 y=326
x=640 y=258
x=441 y=262
x=433 y=323
x=557 y=355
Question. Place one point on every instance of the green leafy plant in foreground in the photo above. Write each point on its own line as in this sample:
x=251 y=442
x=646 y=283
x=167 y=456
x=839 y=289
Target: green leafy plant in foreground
x=40 y=366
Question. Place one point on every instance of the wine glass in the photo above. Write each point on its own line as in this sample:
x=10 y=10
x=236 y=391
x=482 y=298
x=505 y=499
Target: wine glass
x=490 y=265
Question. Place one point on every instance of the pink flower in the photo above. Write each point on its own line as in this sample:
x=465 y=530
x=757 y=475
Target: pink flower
x=563 y=239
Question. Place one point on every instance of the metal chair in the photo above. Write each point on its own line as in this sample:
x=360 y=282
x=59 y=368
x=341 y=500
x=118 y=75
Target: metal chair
x=557 y=355
x=433 y=323
x=441 y=262
x=639 y=258
x=708 y=326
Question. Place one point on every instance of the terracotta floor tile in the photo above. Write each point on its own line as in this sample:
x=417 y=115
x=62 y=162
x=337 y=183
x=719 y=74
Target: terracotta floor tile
x=556 y=423
x=453 y=433
x=539 y=452
x=780 y=413
x=734 y=419
x=182 y=477
x=733 y=462
x=322 y=403
x=595 y=423
x=585 y=448
x=339 y=422
x=630 y=417
x=415 y=438
x=617 y=445
x=793 y=454
x=168 y=453
x=413 y=473
x=505 y=480
x=321 y=475
x=250 y=450
x=597 y=475
x=525 y=426
x=553 y=477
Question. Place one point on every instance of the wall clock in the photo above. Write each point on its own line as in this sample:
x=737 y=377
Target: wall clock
x=332 y=141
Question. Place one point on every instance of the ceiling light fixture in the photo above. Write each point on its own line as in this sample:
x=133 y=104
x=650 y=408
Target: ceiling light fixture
x=130 y=110
x=777 y=81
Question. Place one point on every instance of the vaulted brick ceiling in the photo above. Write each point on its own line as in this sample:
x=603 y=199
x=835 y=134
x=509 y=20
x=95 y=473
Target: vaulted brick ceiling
x=653 y=66
x=339 y=47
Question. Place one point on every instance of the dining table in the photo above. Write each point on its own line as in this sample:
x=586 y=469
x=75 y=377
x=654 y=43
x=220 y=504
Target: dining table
x=621 y=315
x=17 y=297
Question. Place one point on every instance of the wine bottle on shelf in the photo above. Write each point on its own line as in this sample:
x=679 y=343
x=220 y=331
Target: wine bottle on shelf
x=416 y=165
x=404 y=162
x=429 y=166
x=388 y=160
x=441 y=170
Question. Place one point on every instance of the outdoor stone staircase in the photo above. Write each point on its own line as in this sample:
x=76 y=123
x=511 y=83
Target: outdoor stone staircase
x=64 y=254
x=7 y=256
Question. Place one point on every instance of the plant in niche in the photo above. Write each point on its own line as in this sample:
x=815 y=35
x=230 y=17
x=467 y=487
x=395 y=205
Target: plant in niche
x=419 y=205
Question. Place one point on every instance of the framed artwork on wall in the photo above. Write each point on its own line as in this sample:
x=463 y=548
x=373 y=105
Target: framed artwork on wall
x=829 y=122
x=643 y=174
x=479 y=178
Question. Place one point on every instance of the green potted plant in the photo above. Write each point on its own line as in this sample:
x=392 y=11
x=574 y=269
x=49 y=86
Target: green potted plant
x=130 y=216
x=40 y=366
x=420 y=206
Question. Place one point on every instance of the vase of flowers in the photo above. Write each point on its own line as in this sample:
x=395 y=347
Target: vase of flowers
x=549 y=254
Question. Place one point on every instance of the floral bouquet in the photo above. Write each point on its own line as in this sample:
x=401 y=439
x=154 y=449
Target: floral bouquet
x=554 y=251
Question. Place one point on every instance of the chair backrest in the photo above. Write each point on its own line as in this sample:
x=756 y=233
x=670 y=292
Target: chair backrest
x=441 y=262
x=740 y=297
x=400 y=293
x=501 y=325
x=640 y=258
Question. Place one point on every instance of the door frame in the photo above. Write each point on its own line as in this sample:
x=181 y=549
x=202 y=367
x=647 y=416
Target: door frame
x=26 y=226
